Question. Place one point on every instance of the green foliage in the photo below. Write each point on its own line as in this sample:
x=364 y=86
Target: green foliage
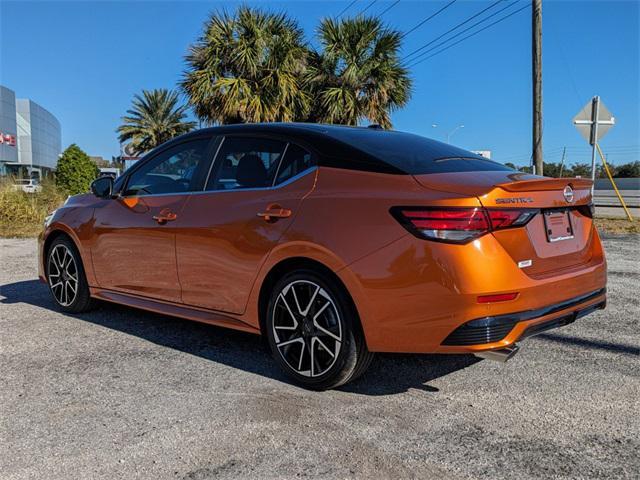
x=254 y=66
x=358 y=74
x=75 y=171
x=627 y=170
x=154 y=118
x=247 y=67
x=552 y=169
x=22 y=214
x=579 y=170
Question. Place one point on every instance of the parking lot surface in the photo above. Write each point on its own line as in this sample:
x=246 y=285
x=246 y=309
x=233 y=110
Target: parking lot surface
x=121 y=393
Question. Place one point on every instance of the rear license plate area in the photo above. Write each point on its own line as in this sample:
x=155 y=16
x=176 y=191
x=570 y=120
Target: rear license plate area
x=557 y=224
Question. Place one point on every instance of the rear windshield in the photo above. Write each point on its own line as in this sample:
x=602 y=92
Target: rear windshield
x=413 y=154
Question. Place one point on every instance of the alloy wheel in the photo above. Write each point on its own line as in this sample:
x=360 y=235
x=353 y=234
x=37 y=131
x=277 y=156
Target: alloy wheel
x=307 y=328
x=63 y=275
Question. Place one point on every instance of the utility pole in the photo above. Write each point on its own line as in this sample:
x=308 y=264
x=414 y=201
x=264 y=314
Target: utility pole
x=536 y=58
x=564 y=152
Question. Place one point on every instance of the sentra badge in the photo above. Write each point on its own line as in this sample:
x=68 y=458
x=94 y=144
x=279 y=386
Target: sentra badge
x=514 y=200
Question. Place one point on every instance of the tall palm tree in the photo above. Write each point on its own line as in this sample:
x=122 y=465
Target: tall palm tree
x=154 y=117
x=357 y=74
x=247 y=67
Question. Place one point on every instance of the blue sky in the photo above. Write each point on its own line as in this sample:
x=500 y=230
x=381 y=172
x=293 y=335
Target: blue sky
x=84 y=60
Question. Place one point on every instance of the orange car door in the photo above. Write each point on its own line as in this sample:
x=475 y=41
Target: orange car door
x=252 y=196
x=133 y=248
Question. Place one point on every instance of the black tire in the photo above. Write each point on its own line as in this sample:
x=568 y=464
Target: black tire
x=64 y=269
x=308 y=313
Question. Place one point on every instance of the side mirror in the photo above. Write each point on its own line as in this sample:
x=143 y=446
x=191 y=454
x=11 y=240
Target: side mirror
x=102 y=187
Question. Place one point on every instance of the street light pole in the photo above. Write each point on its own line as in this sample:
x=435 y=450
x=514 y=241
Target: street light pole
x=450 y=134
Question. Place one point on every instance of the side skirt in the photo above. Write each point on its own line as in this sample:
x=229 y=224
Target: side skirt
x=165 y=308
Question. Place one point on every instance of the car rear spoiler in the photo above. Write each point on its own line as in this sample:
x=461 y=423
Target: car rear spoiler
x=545 y=184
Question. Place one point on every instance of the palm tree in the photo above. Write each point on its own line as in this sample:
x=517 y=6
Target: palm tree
x=357 y=74
x=247 y=67
x=154 y=118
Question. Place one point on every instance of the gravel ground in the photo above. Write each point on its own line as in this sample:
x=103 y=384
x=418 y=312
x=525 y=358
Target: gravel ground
x=120 y=393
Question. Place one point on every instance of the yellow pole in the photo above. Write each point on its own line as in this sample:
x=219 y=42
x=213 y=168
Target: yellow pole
x=606 y=167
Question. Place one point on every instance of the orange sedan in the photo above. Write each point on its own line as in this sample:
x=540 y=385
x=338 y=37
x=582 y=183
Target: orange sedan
x=333 y=242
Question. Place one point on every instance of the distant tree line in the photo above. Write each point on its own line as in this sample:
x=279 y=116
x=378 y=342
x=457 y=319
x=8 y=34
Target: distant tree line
x=625 y=170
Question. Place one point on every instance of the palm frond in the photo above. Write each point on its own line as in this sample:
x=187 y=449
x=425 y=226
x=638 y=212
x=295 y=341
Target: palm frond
x=155 y=116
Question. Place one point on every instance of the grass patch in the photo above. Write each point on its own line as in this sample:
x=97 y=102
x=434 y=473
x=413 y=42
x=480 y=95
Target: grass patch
x=617 y=225
x=22 y=214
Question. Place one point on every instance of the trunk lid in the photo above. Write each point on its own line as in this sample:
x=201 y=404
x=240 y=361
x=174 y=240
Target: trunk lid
x=557 y=238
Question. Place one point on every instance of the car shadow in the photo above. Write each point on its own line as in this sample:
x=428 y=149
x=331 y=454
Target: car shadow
x=388 y=374
x=621 y=348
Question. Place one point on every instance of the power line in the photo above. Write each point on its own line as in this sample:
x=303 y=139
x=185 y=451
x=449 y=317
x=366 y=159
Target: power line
x=368 y=7
x=469 y=36
x=447 y=40
x=452 y=29
x=389 y=8
x=556 y=38
x=429 y=18
x=346 y=8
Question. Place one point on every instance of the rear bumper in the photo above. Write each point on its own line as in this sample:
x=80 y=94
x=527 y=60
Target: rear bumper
x=412 y=294
x=491 y=333
x=491 y=330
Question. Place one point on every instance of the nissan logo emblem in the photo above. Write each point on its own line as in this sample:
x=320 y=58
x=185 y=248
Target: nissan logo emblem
x=568 y=193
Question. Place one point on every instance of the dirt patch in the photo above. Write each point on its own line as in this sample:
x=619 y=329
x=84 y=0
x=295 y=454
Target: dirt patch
x=618 y=225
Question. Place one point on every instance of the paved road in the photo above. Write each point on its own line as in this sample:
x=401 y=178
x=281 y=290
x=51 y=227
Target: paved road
x=119 y=393
x=608 y=204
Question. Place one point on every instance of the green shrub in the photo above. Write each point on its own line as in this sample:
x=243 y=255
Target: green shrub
x=22 y=214
x=75 y=171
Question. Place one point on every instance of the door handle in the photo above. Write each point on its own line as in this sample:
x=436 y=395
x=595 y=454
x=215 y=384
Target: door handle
x=274 y=213
x=165 y=216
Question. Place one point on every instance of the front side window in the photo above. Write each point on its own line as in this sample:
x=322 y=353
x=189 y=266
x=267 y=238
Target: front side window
x=296 y=160
x=246 y=162
x=172 y=171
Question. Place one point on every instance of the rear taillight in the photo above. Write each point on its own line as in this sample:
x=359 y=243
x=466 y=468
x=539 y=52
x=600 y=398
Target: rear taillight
x=509 y=218
x=458 y=225
x=450 y=225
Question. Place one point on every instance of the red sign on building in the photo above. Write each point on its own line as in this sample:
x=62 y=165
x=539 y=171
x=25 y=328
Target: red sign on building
x=7 y=139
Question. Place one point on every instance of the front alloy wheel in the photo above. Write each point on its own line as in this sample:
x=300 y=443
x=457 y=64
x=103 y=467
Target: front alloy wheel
x=66 y=277
x=312 y=333
x=63 y=275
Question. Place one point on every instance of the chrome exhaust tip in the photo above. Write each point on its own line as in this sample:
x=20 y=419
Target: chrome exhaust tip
x=502 y=355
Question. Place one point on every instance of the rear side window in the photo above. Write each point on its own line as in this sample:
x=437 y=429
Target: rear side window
x=296 y=160
x=246 y=162
x=413 y=154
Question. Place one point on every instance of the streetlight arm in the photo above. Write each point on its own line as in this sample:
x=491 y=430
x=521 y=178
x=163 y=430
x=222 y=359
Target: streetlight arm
x=450 y=134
